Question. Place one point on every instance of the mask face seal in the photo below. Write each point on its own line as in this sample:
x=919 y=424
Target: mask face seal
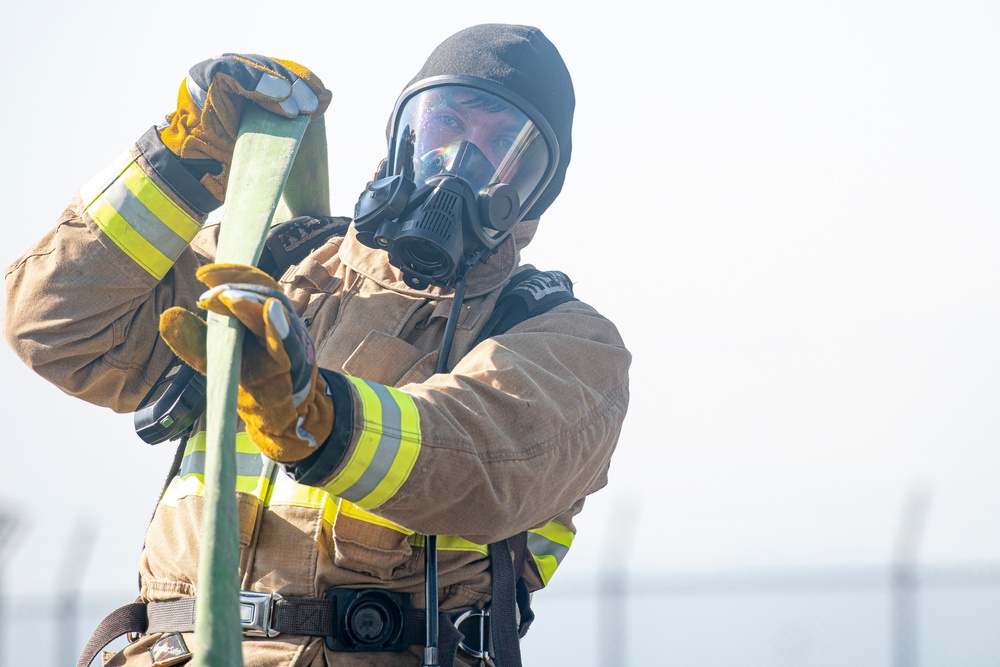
x=464 y=165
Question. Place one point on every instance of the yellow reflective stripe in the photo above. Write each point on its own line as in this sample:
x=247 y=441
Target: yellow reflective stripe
x=193 y=485
x=445 y=542
x=331 y=508
x=255 y=475
x=100 y=182
x=451 y=543
x=386 y=449
x=140 y=218
x=284 y=491
x=160 y=204
x=548 y=546
x=253 y=471
x=349 y=509
x=252 y=468
x=132 y=243
x=455 y=543
x=287 y=491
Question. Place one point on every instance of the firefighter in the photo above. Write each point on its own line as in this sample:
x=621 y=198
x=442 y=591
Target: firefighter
x=363 y=432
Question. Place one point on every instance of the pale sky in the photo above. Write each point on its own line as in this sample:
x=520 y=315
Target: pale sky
x=789 y=209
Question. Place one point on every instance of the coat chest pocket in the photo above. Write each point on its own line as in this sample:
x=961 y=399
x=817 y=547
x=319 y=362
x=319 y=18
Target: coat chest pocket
x=383 y=358
x=365 y=543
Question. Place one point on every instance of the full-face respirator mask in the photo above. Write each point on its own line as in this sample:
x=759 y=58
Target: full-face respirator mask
x=466 y=162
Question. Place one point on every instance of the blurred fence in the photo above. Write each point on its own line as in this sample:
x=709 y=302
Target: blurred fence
x=879 y=616
x=902 y=613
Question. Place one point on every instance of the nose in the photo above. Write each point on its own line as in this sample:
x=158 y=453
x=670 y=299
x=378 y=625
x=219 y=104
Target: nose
x=482 y=138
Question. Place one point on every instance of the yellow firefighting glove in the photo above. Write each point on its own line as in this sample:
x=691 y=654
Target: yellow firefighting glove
x=202 y=131
x=282 y=398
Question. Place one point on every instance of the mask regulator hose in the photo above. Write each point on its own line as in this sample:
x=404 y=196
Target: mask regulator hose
x=431 y=658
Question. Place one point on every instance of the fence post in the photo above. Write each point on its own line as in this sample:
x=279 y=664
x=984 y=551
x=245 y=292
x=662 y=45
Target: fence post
x=612 y=593
x=67 y=613
x=8 y=527
x=904 y=584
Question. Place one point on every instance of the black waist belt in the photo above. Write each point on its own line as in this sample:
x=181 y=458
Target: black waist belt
x=357 y=619
x=348 y=619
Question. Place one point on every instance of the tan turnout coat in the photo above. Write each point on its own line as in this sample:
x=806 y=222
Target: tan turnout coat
x=519 y=431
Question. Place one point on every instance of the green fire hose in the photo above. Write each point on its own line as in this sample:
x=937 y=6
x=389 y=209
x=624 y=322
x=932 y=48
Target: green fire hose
x=279 y=171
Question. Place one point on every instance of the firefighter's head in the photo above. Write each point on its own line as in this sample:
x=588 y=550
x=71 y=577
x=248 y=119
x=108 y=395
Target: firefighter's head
x=478 y=141
x=493 y=103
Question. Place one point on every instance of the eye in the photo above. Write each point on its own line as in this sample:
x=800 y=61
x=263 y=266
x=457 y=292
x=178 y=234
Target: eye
x=445 y=120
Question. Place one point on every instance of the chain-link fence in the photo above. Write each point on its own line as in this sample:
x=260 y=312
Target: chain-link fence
x=927 y=616
x=901 y=613
x=894 y=616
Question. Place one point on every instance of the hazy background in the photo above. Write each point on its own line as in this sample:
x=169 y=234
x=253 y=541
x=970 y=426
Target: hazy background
x=790 y=209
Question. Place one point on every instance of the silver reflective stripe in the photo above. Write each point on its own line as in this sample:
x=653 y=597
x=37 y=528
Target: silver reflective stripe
x=247 y=465
x=144 y=221
x=541 y=546
x=385 y=453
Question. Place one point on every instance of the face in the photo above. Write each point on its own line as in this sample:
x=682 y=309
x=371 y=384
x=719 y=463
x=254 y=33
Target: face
x=472 y=134
x=481 y=119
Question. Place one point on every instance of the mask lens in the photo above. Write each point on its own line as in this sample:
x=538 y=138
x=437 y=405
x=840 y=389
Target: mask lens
x=471 y=134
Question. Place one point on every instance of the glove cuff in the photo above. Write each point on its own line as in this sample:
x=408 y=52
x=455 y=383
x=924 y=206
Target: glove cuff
x=281 y=430
x=175 y=175
x=318 y=466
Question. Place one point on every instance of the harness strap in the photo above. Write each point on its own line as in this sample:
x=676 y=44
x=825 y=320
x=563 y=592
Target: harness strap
x=519 y=546
x=315 y=617
x=529 y=293
x=503 y=607
x=126 y=619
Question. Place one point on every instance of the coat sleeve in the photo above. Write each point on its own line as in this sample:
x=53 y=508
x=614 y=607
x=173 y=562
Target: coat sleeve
x=520 y=431
x=82 y=305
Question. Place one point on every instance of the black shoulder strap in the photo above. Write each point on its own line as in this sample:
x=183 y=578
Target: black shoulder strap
x=289 y=242
x=529 y=293
x=503 y=606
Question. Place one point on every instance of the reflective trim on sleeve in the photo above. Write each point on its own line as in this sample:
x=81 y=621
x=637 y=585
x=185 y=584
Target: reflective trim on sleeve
x=103 y=179
x=548 y=546
x=139 y=217
x=386 y=449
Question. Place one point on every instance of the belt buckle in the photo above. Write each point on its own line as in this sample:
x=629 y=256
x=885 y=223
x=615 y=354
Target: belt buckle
x=256 y=612
x=483 y=652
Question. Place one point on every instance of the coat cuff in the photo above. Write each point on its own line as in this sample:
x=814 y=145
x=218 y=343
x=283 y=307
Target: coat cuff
x=174 y=174
x=318 y=466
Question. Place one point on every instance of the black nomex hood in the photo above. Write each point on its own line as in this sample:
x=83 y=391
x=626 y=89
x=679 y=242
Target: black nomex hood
x=524 y=62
